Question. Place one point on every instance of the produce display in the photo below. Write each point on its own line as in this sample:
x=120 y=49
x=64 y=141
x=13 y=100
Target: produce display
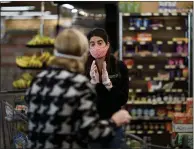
x=40 y=40
x=34 y=61
x=23 y=82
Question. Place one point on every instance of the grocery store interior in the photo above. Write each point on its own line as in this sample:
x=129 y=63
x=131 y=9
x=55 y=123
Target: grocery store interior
x=153 y=39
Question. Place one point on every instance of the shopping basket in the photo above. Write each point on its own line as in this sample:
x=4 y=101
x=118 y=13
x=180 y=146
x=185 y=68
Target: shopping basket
x=12 y=127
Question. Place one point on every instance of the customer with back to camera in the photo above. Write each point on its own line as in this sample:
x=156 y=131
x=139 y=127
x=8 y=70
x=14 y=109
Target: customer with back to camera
x=62 y=112
x=110 y=77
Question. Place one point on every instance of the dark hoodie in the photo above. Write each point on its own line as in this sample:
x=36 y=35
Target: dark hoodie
x=111 y=101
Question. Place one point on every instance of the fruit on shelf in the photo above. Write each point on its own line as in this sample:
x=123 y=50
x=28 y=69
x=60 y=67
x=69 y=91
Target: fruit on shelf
x=40 y=40
x=23 y=82
x=33 y=61
x=25 y=62
x=45 y=57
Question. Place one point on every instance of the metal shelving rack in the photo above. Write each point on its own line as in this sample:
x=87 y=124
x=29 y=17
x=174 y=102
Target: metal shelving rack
x=185 y=30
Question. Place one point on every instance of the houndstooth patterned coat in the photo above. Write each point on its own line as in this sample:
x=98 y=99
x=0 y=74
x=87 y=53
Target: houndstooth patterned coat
x=62 y=112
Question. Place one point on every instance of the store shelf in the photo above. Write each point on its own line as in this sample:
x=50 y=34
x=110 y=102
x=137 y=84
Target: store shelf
x=32 y=68
x=13 y=91
x=152 y=42
x=176 y=79
x=156 y=67
x=167 y=28
x=147 y=103
x=155 y=14
x=40 y=46
x=145 y=132
x=150 y=119
x=130 y=55
x=158 y=91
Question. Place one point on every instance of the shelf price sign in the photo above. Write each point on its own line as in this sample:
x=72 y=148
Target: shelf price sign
x=182 y=127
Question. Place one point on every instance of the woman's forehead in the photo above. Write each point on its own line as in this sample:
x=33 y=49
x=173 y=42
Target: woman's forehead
x=96 y=39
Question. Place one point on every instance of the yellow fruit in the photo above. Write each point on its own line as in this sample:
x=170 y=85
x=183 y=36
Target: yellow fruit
x=21 y=62
x=50 y=60
x=28 y=83
x=27 y=76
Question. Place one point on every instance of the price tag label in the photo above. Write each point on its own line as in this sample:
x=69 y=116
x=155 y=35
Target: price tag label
x=179 y=42
x=156 y=14
x=129 y=43
x=138 y=90
x=167 y=66
x=174 y=90
x=183 y=54
x=172 y=66
x=142 y=55
x=154 y=54
x=178 y=28
x=129 y=55
x=179 y=90
x=142 y=43
x=126 y=14
x=168 y=54
x=182 y=66
x=170 y=42
x=168 y=90
x=174 y=14
x=129 y=67
x=139 y=66
x=159 y=42
x=142 y=28
x=147 y=78
x=183 y=14
x=166 y=79
x=155 y=28
x=169 y=28
x=139 y=132
x=183 y=127
x=130 y=90
x=177 y=79
x=129 y=78
x=152 y=66
x=155 y=78
x=131 y=28
x=183 y=79
x=165 y=14
x=150 y=132
x=159 y=132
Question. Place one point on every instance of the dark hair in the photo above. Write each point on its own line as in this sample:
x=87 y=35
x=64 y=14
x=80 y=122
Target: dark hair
x=99 y=32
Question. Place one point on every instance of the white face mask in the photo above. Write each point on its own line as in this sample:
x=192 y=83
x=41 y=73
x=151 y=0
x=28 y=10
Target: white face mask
x=57 y=54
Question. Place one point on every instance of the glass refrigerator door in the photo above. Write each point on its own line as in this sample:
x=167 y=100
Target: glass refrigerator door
x=190 y=55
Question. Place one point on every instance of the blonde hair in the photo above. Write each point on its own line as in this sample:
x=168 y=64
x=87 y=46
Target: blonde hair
x=71 y=42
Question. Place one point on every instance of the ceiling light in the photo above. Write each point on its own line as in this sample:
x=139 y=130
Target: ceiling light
x=37 y=13
x=21 y=17
x=68 y=6
x=82 y=12
x=3 y=2
x=51 y=17
x=74 y=10
x=9 y=14
x=18 y=8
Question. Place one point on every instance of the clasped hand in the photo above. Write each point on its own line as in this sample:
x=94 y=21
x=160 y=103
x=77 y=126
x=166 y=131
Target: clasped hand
x=95 y=77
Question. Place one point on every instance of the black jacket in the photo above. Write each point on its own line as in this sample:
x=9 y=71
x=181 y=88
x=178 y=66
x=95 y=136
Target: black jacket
x=109 y=102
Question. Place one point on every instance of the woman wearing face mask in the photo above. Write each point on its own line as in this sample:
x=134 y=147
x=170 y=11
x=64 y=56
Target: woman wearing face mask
x=110 y=77
x=61 y=111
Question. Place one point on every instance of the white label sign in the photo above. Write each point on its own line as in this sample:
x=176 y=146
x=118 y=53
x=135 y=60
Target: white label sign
x=182 y=127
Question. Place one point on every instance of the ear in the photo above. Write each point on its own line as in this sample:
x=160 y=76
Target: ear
x=108 y=44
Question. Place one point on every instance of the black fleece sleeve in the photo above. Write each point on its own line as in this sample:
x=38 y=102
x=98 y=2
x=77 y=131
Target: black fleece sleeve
x=118 y=95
